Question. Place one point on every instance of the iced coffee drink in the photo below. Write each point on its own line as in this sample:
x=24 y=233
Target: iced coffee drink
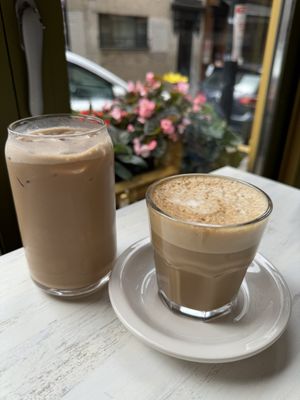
x=205 y=232
x=61 y=170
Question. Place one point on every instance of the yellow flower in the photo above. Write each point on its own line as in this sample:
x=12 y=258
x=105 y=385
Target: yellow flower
x=174 y=77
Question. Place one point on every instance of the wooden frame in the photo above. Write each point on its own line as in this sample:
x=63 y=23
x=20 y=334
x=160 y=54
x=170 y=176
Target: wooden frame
x=264 y=84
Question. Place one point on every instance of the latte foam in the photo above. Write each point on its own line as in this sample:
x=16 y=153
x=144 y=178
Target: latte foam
x=209 y=199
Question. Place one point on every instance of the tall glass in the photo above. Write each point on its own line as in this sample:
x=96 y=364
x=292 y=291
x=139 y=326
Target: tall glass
x=61 y=171
x=200 y=265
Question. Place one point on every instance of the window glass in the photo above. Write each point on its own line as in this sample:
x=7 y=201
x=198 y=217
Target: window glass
x=247 y=84
x=122 y=32
x=215 y=78
x=192 y=87
x=86 y=85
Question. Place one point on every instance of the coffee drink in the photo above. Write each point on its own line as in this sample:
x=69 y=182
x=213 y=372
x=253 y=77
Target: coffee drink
x=205 y=232
x=62 y=180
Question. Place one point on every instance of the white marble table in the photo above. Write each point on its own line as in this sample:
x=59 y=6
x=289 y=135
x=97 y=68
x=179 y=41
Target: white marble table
x=54 y=349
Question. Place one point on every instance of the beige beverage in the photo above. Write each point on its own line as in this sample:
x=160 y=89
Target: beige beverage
x=62 y=179
x=205 y=232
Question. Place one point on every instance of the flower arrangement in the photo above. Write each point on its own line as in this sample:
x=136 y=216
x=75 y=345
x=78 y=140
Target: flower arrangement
x=142 y=123
x=151 y=115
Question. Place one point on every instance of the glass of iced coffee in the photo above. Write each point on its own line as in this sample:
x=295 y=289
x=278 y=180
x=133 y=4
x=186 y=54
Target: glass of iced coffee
x=205 y=230
x=61 y=171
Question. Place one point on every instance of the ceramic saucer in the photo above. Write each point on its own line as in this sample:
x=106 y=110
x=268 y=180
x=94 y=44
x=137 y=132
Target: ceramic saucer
x=259 y=317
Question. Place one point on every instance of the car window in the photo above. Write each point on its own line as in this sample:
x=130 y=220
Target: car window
x=247 y=84
x=215 y=79
x=84 y=84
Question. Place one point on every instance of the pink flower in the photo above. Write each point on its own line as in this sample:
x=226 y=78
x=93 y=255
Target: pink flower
x=152 y=145
x=150 y=77
x=196 y=107
x=141 y=120
x=183 y=124
x=167 y=126
x=116 y=113
x=131 y=87
x=146 y=108
x=186 y=121
x=140 y=88
x=200 y=99
x=106 y=107
x=143 y=150
x=152 y=83
x=182 y=87
x=156 y=85
x=130 y=128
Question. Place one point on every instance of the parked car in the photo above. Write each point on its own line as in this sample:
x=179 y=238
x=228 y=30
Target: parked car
x=91 y=86
x=244 y=97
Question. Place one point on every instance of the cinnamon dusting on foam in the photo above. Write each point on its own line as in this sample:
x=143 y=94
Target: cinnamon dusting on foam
x=209 y=199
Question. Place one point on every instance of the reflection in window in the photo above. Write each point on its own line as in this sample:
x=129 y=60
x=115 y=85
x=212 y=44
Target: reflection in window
x=122 y=32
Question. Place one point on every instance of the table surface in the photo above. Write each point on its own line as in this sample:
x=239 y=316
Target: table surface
x=56 y=349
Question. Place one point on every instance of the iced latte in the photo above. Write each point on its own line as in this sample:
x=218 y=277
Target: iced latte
x=61 y=170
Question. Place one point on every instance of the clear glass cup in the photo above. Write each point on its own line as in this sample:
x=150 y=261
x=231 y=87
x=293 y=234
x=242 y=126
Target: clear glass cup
x=200 y=266
x=61 y=171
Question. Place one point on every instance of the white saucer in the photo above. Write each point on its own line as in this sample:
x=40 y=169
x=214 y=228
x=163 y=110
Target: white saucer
x=259 y=317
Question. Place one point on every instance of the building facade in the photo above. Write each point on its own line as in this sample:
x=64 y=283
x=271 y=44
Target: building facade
x=129 y=38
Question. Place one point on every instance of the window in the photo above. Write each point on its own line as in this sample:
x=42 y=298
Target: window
x=86 y=85
x=247 y=83
x=122 y=32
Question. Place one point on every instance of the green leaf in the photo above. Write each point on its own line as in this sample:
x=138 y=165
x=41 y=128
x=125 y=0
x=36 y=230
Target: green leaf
x=124 y=137
x=132 y=159
x=122 y=172
x=150 y=126
x=216 y=130
x=120 y=148
x=231 y=137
